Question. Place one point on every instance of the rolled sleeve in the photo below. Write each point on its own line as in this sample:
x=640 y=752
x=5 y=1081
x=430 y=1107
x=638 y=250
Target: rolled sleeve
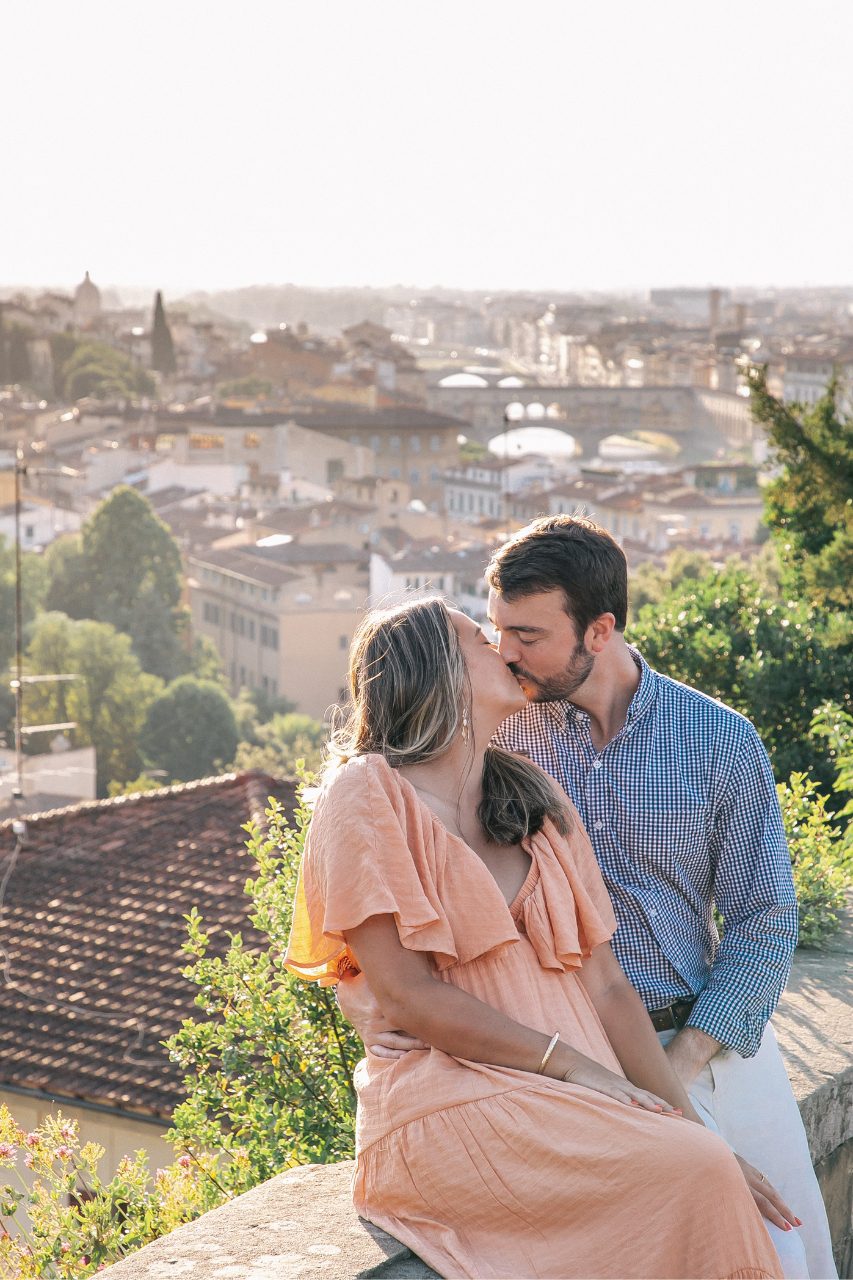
x=754 y=893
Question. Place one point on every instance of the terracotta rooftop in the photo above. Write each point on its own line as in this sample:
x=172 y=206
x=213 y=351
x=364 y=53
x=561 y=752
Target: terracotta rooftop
x=92 y=915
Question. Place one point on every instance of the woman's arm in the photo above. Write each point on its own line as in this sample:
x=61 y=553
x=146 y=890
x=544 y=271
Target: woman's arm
x=629 y=1029
x=459 y=1024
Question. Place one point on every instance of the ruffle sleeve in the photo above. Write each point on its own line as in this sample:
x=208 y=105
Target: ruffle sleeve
x=569 y=912
x=365 y=855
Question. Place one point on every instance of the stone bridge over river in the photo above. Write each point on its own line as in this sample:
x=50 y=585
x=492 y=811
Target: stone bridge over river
x=699 y=421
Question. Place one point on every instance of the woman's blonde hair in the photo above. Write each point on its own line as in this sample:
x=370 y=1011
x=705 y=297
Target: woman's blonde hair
x=409 y=688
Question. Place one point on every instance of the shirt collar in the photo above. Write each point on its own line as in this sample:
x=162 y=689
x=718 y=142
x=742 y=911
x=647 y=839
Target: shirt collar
x=647 y=689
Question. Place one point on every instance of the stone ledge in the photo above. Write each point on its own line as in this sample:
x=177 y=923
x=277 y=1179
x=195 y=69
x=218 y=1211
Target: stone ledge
x=302 y=1224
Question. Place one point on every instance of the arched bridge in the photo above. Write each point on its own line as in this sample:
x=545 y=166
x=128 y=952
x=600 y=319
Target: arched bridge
x=699 y=420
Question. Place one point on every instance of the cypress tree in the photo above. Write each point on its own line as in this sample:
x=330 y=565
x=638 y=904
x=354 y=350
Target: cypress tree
x=162 y=347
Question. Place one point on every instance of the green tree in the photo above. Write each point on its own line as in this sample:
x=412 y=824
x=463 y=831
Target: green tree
x=205 y=661
x=809 y=503
x=99 y=370
x=19 y=365
x=162 y=346
x=34 y=585
x=109 y=699
x=768 y=659
x=190 y=730
x=126 y=570
x=69 y=589
x=650 y=583
x=277 y=746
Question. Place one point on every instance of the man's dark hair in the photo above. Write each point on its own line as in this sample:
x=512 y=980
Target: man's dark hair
x=568 y=554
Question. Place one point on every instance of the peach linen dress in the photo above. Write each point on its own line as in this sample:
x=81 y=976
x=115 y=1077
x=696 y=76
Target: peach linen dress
x=488 y=1171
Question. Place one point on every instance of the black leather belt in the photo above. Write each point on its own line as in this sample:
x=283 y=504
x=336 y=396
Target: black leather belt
x=673 y=1017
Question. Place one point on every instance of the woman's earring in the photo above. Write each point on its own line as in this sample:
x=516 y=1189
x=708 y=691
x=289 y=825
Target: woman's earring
x=466 y=732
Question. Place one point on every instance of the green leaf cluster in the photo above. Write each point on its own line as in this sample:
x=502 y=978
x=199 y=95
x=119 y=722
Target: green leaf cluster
x=268 y=1066
x=809 y=502
x=66 y=1221
x=822 y=872
x=125 y=569
x=769 y=658
x=280 y=745
x=101 y=371
x=190 y=730
x=108 y=700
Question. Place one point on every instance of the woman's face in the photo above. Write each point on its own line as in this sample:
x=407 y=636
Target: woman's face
x=495 y=691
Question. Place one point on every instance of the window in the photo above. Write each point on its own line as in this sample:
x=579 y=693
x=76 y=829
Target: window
x=269 y=636
x=251 y=440
x=435 y=444
x=375 y=443
x=343 y=642
x=415 y=444
x=394 y=444
x=242 y=675
x=415 y=476
x=204 y=440
x=251 y=629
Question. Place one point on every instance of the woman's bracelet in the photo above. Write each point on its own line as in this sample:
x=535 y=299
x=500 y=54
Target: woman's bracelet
x=547 y=1054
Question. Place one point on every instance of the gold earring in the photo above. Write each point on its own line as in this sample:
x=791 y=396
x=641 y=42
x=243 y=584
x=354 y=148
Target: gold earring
x=465 y=730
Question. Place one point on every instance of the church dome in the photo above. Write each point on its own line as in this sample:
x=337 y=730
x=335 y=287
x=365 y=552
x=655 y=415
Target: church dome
x=87 y=299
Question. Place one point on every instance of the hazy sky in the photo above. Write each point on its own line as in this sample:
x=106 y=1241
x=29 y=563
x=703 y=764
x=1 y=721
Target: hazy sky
x=475 y=143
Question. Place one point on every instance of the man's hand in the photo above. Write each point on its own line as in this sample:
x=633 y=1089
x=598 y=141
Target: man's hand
x=689 y=1051
x=359 y=1006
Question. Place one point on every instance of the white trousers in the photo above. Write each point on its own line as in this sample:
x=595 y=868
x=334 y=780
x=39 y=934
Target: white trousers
x=750 y=1103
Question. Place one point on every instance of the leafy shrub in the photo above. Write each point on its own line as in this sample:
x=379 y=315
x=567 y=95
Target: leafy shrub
x=269 y=1066
x=821 y=872
x=76 y=1222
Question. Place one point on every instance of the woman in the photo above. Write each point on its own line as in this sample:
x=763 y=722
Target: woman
x=543 y=1133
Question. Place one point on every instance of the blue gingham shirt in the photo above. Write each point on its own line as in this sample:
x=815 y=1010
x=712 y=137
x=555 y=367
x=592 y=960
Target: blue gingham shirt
x=682 y=812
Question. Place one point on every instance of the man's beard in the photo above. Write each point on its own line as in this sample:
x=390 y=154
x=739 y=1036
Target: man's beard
x=561 y=686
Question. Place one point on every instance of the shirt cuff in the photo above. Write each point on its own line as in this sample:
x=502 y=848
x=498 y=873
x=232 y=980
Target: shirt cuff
x=740 y=1030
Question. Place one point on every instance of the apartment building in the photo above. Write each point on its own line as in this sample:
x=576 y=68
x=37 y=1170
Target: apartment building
x=408 y=444
x=281 y=615
x=442 y=569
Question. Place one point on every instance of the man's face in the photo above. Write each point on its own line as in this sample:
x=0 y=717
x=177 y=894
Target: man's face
x=540 y=644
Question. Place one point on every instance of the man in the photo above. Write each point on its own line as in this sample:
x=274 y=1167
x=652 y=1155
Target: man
x=679 y=801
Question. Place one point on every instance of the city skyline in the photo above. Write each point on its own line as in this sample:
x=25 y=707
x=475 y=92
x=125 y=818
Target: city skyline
x=549 y=148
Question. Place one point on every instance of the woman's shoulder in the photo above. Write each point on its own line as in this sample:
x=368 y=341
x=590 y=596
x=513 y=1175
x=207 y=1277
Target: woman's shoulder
x=357 y=777
x=368 y=764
